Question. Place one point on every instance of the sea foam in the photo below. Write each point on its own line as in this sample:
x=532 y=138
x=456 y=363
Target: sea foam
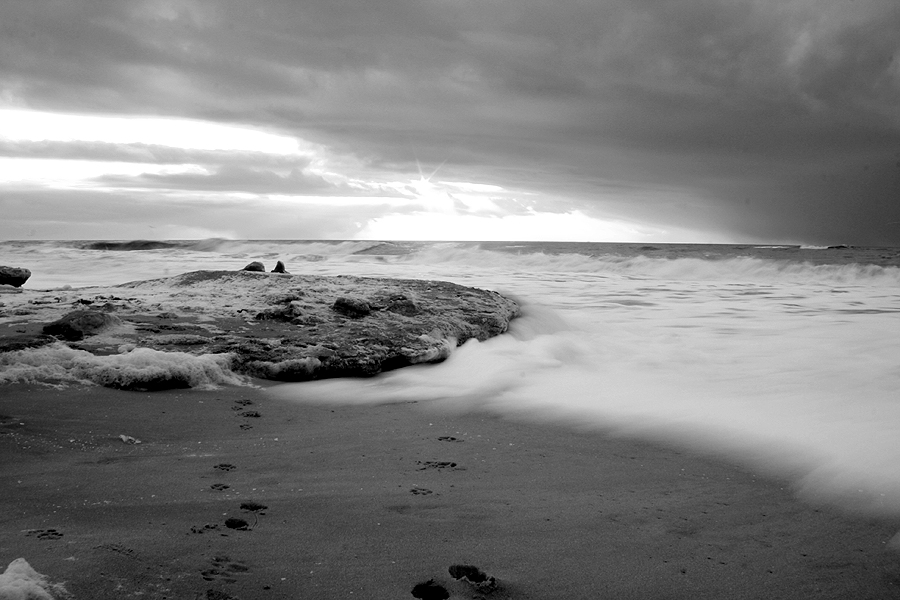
x=137 y=369
x=21 y=582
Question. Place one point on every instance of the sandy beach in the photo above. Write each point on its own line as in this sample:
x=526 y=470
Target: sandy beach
x=232 y=493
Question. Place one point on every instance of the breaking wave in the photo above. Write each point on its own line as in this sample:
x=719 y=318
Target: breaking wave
x=137 y=369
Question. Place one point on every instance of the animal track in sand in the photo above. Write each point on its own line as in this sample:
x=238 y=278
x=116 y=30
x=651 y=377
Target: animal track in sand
x=420 y=491
x=216 y=595
x=220 y=486
x=251 y=414
x=118 y=549
x=246 y=426
x=224 y=569
x=449 y=438
x=44 y=534
x=224 y=467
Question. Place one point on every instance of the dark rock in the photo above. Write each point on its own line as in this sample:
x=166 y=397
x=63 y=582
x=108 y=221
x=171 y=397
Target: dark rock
x=429 y=590
x=351 y=307
x=286 y=312
x=80 y=323
x=279 y=267
x=14 y=276
x=255 y=266
x=400 y=304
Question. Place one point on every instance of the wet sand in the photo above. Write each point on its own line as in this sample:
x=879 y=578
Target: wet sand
x=235 y=494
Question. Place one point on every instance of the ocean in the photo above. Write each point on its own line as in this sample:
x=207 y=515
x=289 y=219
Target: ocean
x=784 y=359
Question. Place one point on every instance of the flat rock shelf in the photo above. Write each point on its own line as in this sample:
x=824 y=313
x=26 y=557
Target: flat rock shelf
x=274 y=326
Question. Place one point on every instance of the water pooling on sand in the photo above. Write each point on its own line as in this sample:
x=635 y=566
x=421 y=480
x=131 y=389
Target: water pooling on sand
x=786 y=365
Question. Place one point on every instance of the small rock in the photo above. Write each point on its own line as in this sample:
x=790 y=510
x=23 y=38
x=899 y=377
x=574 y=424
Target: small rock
x=402 y=305
x=14 y=276
x=351 y=307
x=255 y=266
x=429 y=590
x=279 y=268
x=80 y=323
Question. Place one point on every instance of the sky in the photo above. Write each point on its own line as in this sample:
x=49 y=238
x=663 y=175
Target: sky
x=765 y=121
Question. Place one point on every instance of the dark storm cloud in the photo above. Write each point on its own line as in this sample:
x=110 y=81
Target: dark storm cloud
x=769 y=119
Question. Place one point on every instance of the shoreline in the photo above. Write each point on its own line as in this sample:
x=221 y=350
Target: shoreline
x=369 y=501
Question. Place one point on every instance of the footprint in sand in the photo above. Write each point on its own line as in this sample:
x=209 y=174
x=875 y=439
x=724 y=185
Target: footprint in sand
x=449 y=438
x=237 y=524
x=224 y=467
x=420 y=492
x=118 y=549
x=224 y=569
x=254 y=507
x=251 y=414
x=439 y=465
x=482 y=584
x=220 y=486
x=44 y=534
x=204 y=528
x=246 y=426
x=217 y=595
x=472 y=582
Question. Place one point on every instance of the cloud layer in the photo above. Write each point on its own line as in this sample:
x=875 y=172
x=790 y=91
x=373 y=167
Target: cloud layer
x=764 y=120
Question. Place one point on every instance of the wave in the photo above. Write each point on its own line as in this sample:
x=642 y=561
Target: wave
x=140 y=369
x=738 y=269
x=72 y=262
x=132 y=245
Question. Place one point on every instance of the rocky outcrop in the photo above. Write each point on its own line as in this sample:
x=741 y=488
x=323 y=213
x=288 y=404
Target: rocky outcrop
x=279 y=267
x=302 y=327
x=14 y=276
x=79 y=324
x=273 y=326
x=255 y=266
